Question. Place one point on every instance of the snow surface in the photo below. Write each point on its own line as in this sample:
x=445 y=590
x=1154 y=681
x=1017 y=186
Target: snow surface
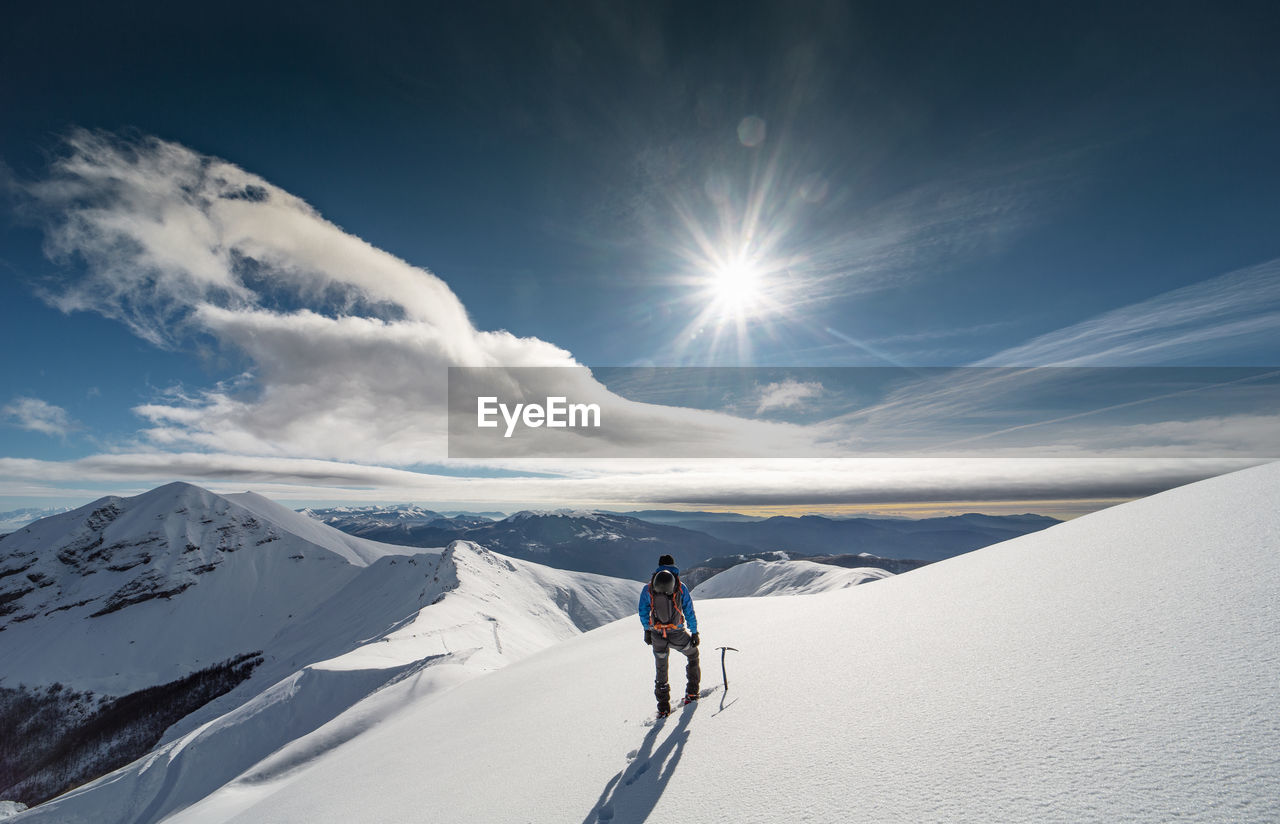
x=336 y=617
x=784 y=578
x=1119 y=667
x=10 y=808
x=17 y=518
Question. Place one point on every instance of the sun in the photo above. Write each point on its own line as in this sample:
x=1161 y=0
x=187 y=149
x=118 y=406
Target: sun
x=735 y=288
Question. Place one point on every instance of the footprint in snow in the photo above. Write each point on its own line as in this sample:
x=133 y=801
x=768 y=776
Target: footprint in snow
x=641 y=770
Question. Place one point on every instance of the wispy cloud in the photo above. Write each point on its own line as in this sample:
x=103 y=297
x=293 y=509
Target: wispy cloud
x=1199 y=323
x=1204 y=323
x=787 y=394
x=41 y=416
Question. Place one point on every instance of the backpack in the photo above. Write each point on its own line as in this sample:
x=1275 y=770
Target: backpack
x=664 y=610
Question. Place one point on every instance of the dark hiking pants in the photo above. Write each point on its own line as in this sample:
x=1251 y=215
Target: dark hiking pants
x=679 y=641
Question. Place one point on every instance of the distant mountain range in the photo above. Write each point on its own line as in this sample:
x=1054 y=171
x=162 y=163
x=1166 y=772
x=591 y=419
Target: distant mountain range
x=926 y=539
x=628 y=545
x=395 y=522
x=15 y=519
x=600 y=542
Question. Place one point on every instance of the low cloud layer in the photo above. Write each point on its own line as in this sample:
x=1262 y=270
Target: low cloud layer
x=733 y=483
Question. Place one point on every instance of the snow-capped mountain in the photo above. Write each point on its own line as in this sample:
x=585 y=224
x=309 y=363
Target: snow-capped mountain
x=407 y=525
x=756 y=578
x=144 y=590
x=363 y=516
x=1089 y=672
x=403 y=512
x=130 y=592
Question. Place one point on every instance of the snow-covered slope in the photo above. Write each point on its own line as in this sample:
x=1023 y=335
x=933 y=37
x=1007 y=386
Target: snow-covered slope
x=784 y=578
x=131 y=592
x=9 y=809
x=402 y=632
x=17 y=518
x=1119 y=667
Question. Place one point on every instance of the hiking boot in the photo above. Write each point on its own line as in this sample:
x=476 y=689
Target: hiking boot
x=689 y=699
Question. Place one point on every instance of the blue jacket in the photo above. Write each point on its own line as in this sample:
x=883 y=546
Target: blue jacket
x=686 y=602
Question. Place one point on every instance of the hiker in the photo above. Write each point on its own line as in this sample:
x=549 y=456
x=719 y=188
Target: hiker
x=666 y=610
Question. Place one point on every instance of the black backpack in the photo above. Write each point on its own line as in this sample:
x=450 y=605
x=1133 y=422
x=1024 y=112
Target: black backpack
x=664 y=610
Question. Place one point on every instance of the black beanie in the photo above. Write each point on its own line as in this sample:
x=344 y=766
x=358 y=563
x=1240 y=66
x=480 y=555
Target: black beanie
x=666 y=560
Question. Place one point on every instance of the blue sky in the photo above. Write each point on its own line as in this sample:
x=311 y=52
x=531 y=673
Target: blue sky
x=712 y=184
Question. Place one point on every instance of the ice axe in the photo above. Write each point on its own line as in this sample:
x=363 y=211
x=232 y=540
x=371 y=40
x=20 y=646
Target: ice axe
x=723 y=652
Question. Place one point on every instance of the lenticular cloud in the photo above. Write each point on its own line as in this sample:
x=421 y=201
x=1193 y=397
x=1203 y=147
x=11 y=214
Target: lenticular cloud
x=165 y=230
x=347 y=344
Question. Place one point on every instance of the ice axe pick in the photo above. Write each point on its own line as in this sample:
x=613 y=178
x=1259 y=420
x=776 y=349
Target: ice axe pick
x=723 y=652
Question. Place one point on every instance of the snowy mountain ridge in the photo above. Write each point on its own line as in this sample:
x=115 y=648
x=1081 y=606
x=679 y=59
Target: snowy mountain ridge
x=789 y=577
x=579 y=514
x=337 y=619
x=130 y=592
x=398 y=512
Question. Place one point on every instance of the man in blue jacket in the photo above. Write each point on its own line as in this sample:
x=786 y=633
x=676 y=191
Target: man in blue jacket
x=666 y=610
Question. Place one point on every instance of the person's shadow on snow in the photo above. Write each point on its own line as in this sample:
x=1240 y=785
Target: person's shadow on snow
x=633 y=793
